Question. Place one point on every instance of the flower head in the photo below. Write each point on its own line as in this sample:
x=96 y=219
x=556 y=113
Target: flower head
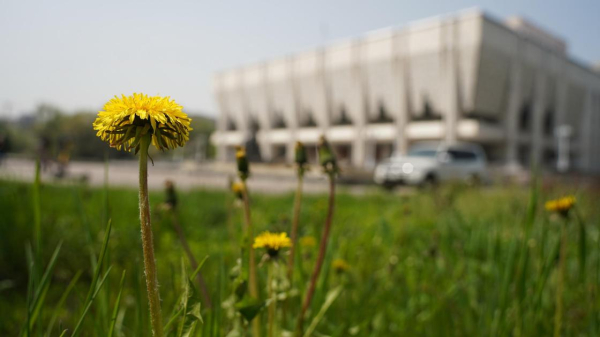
x=238 y=189
x=327 y=158
x=242 y=163
x=308 y=241
x=124 y=121
x=562 y=205
x=340 y=266
x=272 y=242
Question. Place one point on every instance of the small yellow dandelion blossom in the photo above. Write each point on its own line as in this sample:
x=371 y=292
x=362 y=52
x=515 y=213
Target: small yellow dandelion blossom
x=238 y=189
x=308 y=241
x=272 y=242
x=124 y=121
x=561 y=205
x=340 y=265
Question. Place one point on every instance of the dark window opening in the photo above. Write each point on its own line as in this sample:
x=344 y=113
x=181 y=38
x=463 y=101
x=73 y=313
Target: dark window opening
x=428 y=112
x=549 y=122
x=525 y=117
x=343 y=118
x=462 y=155
x=382 y=116
x=309 y=121
x=279 y=153
x=279 y=121
x=254 y=125
x=231 y=125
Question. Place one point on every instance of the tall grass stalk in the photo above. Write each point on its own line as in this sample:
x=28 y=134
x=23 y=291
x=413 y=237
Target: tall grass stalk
x=252 y=280
x=147 y=241
x=560 y=284
x=294 y=231
x=320 y=257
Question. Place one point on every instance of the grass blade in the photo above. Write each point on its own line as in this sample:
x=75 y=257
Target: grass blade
x=116 y=309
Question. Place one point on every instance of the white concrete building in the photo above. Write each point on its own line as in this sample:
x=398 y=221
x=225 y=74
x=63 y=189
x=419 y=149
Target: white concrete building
x=468 y=77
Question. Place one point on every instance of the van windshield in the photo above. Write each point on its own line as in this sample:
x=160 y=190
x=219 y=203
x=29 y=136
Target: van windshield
x=422 y=153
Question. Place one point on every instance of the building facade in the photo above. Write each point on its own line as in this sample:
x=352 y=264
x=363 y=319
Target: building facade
x=469 y=77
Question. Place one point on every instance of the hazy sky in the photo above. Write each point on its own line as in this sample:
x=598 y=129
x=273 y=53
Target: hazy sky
x=78 y=54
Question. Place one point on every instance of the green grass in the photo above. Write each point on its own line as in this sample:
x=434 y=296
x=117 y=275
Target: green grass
x=455 y=262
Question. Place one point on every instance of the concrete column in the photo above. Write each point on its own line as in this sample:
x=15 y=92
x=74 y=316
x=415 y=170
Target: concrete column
x=450 y=73
x=266 y=116
x=585 y=135
x=512 y=113
x=359 y=146
x=293 y=123
x=401 y=67
x=539 y=106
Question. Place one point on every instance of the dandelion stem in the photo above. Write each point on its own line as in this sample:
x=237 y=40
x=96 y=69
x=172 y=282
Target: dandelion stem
x=294 y=232
x=321 y=257
x=271 y=298
x=252 y=283
x=561 y=280
x=147 y=242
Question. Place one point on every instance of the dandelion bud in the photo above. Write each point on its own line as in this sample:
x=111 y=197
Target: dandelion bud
x=242 y=163
x=170 y=194
x=326 y=157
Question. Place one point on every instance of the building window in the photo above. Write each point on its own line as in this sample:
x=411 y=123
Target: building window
x=254 y=125
x=525 y=117
x=278 y=121
x=428 y=112
x=309 y=120
x=343 y=118
x=382 y=115
x=549 y=122
x=230 y=125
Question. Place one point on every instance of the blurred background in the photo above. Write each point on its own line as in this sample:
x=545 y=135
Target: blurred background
x=518 y=79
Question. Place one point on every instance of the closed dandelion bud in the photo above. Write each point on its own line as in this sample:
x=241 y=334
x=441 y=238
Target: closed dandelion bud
x=242 y=163
x=300 y=152
x=170 y=194
x=126 y=120
x=326 y=157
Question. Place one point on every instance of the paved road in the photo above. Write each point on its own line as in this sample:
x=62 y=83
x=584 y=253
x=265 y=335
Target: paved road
x=186 y=175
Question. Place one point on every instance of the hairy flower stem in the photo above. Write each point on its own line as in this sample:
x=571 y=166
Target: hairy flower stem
x=561 y=280
x=193 y=261
x=252 y=283
x=147 y=242
x=294 y=233
x=272 y=298
x=320 y=258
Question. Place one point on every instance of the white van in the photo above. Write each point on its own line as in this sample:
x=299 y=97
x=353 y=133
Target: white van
x=431 y=163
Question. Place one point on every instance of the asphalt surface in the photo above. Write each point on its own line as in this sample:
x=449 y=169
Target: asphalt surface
x=186 y=175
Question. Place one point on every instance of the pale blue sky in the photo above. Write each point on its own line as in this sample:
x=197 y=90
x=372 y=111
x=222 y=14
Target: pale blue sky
x=78 y=54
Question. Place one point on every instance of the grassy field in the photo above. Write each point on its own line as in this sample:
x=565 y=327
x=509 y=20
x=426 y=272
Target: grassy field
x=456 y=261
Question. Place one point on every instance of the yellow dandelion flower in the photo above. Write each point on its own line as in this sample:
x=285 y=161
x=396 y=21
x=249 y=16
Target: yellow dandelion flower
x=124 y=121
x=561 y=205
x=238 y=189
x=308 y=241
x=272 y=242
x=340 y=265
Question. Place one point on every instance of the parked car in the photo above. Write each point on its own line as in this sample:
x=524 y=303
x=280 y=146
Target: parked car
x=431 y=163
